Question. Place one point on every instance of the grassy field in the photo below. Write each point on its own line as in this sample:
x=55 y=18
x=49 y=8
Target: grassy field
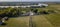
x=17 y=22
x=49 y=20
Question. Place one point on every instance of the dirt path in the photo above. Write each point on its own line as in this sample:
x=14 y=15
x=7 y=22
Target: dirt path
x=41 y=21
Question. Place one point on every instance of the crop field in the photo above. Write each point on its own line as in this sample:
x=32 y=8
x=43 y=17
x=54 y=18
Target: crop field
x=42 y=20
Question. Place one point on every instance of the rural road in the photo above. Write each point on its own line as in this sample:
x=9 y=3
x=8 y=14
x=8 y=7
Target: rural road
x=39 y=21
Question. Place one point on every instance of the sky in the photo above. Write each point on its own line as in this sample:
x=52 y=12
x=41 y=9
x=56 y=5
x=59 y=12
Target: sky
x=26 y=0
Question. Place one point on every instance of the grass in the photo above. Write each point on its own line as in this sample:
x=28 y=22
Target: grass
x=52 y=19
x=17 y=22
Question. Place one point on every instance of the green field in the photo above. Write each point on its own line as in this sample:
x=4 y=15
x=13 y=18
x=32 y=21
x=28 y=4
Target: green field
x=17 y=22
x=50 y=20
x=46 y=20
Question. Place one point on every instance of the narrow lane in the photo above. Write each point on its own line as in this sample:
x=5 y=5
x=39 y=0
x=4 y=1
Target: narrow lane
x=30 y=19
x=30 y=22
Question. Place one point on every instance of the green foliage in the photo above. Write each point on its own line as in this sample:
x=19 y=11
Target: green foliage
x=9 y=12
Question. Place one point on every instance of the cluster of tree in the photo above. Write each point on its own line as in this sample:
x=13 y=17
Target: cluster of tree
x=9 y=12
x=42 y=11
x=13 y=12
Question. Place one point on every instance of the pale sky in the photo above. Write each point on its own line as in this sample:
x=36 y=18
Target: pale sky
x=25 y=0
